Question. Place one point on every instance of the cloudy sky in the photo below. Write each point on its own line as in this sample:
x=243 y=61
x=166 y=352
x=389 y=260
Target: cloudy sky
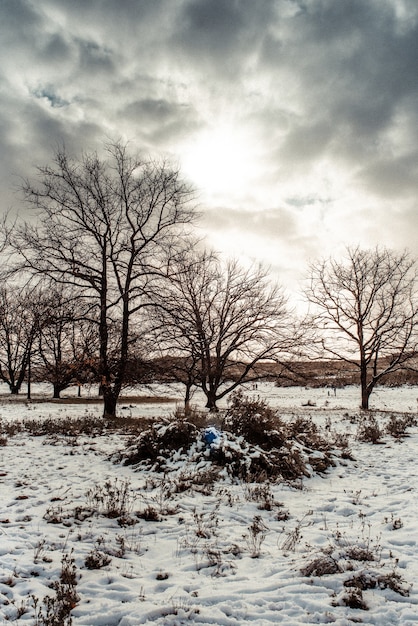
x=296 y=120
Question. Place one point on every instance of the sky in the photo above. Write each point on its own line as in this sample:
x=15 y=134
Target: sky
x=295 y=120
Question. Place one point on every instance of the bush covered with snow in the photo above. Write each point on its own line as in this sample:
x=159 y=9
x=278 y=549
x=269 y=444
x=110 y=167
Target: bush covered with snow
x=255 y=421
x=253 y=444
x=159 y=442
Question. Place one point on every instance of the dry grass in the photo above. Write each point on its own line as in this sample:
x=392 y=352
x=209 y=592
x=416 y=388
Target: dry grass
x=37 y=399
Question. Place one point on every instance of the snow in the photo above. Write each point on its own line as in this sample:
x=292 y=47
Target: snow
x=212 y=556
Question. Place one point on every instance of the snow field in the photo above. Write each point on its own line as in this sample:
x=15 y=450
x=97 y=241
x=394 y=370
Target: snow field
x=215 y=555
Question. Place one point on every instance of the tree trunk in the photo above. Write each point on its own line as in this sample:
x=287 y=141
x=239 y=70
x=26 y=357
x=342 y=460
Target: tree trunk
x=14 y=389
x=110 y=400
x=364 y=400
x=187 y=399
x=365 y=393
x=211 y=402
x=57 y=388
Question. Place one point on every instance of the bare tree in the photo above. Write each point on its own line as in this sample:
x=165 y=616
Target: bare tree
x=367 y=310
x=103 y=227
x=221 y=322
x=65 y=356
x=20 y=321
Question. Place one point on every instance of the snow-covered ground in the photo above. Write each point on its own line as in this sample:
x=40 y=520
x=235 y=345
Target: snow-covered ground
x=219 y=556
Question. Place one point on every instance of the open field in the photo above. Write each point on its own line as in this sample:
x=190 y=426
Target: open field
x=122 y=545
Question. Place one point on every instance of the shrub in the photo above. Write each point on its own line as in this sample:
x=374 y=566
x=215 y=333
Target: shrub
x=354 y=599
x=156 y=443
x=359 y=553
x=302 y=428
x=369 y=430
x=321 y=566
x=201 y=480
x=9 y=429
x=192 y=415
x=58 y=608
x=363 y=580
x=256 y=536
x=253 y=445
x=397 y=426
x=370 y=580
x=96 y=559
x=113 y=499
x=254 y=420
x=74 y=426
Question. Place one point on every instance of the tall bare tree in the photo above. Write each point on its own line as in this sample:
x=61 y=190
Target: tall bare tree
x=221 y=322
x=103 y=227
x=367 y=311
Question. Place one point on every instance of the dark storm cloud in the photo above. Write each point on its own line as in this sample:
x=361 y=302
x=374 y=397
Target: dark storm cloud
x=159 y=120
x=18 y=16
x=392 y=179
x=356 y=64
x=93 y=58
x=222 y=34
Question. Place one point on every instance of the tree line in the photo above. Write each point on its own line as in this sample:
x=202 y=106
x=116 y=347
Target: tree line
x=105 y=276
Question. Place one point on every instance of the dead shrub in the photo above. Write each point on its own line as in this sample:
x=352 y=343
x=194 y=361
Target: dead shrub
x=158 y=442
x=57 y=609
x=303 y=429
x=364 y=580
x=395 y=582
x=256 y=536
x=369 y=430
x=192 y=415
x=397 y=426
x=97 y=559
x=371 y=580
x=65 y=426
x=354 y=599
x=9 y=429
x=263 y=495
x=112 y=499
x=149 y=514
x=253 y=445
x=255 y=421
x=201 y=481
x=358 y=553
x=244 y=461
x=75 y=426
x=321 y=566
x=55 y=515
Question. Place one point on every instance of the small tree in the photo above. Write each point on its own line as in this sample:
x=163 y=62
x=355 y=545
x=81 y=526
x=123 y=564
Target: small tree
x=103 y=228
x=64 y=354
x=367 y=311
x=221 y=322
x=21 y=313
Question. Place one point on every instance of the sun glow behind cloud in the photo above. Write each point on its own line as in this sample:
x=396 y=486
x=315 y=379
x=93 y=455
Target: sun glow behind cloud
x=222 y=161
